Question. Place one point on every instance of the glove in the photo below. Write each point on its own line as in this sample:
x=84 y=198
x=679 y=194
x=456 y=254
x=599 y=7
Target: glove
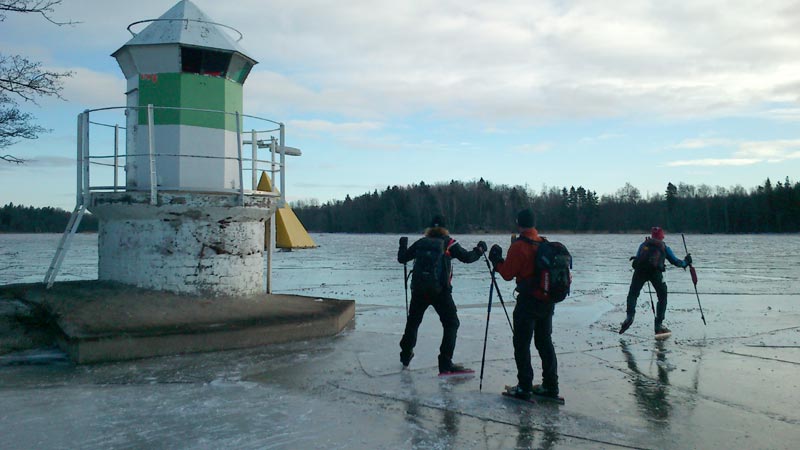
x=688 y=260
x=633 y=262
x=404 y=242
x=481 y=247
x=496 y=254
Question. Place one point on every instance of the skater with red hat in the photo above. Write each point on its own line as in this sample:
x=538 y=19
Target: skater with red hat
x=648 y=265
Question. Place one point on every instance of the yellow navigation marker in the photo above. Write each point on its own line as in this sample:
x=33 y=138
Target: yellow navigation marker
x=290 y=233
x=264 y=184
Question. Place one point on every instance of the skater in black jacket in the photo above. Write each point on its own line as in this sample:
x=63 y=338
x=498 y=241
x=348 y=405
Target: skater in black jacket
x=431 y=286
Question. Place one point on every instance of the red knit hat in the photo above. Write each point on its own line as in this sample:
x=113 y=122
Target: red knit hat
x=657 y=233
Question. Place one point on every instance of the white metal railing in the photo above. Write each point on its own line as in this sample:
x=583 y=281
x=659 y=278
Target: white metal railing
x=85 y=160
x=272 y=139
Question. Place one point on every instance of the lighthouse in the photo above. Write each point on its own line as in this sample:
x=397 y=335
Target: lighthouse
x=182 y=197
x=184 y=221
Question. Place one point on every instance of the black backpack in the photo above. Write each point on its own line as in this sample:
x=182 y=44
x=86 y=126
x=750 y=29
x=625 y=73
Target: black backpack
x=650 y=257
x=429 y=275
x=551 y=273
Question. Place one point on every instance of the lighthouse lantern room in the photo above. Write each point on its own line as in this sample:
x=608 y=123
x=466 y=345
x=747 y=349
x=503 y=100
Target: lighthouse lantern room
x=193 y=71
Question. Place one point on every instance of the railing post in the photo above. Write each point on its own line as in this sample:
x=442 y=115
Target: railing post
x=116 y=156
x=270 y=244
x=239 y=153
x=79 y=163
x=254 y=149
x=85 y=145
x=272 y=149
x=283 y=165
x=151 y=150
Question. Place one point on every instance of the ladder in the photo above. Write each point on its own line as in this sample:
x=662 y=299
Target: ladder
x=63 y=245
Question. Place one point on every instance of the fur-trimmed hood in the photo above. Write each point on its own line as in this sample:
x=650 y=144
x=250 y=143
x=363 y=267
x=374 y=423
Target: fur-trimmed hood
x=436 y=232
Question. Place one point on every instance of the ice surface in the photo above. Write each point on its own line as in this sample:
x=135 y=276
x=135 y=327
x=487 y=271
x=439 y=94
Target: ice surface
x=731 y=384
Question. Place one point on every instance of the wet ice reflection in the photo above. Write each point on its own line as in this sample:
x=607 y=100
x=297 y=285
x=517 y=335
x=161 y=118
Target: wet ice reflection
x=349 y=391
x=651 y=394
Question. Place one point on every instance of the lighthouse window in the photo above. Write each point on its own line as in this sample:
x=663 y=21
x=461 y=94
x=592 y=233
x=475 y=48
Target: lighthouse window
x=204 y=62
x=239 y=69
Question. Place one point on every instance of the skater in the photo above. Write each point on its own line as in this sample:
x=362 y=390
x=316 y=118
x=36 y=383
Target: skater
x=431 y=286
x=648 y=265
x=533 y=313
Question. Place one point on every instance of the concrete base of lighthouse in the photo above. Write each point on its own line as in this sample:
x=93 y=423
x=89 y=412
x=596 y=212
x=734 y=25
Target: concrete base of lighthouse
x=188 y=243
x=96 y=321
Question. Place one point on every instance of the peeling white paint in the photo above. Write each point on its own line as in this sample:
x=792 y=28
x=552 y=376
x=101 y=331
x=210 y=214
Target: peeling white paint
x=203 y=251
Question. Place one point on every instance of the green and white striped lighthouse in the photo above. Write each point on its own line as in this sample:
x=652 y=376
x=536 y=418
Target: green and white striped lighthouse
x=185 y=220
x=184 y=60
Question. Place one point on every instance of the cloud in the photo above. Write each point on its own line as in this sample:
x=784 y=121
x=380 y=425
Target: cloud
x=782 y=114
x=602 y=137
x=325 y=126
x=527 y=59
x=533 y=148
x=770 y=151
x=50 y=161
x=96 y=89
x=493 y=129
x=746 y=153
x=88 y=89
x=270 y=93
x=531 y=59
x=367 y=187
x=715 y=162
x=704 y=143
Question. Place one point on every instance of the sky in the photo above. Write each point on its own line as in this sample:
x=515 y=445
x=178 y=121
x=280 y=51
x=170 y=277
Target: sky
x=377 y=93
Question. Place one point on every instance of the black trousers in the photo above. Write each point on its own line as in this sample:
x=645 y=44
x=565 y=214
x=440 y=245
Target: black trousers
x=446 y=309
x=534 y=319
x=655 y=278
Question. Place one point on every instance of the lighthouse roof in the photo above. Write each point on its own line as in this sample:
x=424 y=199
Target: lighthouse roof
x=185 y=24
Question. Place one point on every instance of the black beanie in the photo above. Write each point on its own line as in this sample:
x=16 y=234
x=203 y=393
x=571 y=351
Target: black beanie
x=525 y=218
x=438 y=221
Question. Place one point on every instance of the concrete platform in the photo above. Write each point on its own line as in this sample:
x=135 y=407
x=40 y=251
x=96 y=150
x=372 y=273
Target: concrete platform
x=97 y=321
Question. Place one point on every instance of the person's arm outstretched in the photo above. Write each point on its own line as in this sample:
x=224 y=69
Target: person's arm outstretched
x=458 y=252
x=675 y=261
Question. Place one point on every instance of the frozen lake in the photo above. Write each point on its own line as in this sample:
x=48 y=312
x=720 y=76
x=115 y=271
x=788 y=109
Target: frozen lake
x=732 y=384
x=364 y=268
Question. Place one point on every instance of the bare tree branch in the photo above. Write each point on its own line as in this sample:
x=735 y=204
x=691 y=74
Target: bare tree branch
x=27 y=80
x=12 y=159
x=43 y=7
x=16 y=125
x=24 y=80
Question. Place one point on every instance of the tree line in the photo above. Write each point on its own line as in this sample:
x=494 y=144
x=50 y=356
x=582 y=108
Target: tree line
x=480 y=206
x=28 y=219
